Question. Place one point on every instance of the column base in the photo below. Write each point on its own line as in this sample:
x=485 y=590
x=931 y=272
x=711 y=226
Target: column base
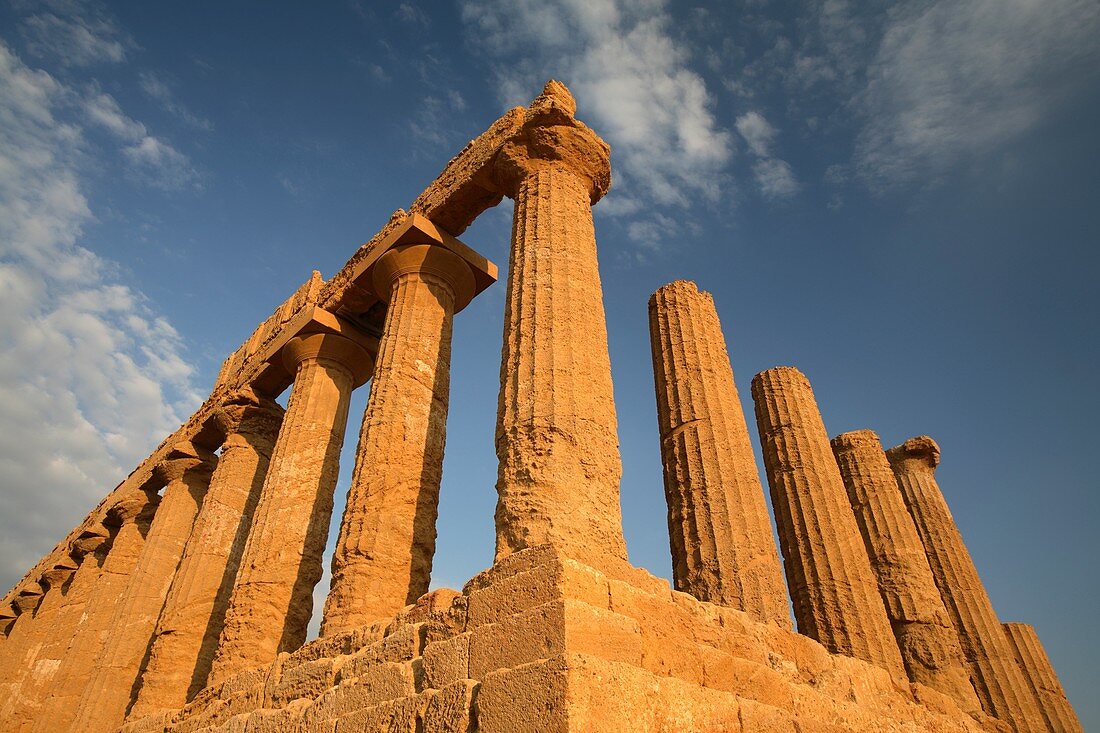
x=540 y=642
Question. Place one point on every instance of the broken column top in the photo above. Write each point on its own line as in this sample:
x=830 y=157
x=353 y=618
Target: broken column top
x=855 y=438
x=920 y=448
x=687 y=287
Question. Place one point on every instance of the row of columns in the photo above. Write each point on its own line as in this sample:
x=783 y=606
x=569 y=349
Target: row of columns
x=875 y=565
x=210 y=568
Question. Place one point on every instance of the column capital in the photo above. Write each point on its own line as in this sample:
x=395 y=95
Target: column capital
x=921 y=450
x=136 y=506
x=427 y=259
x=184 y=457
x=246 y=414
x=56 y=576
x=552 y=138
x=28 y=598
x=332 y=347
x=88 y=541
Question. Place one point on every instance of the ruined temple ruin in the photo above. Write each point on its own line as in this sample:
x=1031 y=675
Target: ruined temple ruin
x=181 y=602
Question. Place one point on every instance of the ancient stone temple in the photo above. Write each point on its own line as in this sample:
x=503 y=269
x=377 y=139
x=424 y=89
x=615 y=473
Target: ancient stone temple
x=180 y=604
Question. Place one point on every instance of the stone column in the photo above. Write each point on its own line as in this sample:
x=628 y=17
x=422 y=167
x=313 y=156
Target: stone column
x=17 y=657
x=130 y=520
x=189 y=627
x=835 y=595
x=1043 y=680
x=993 y=670
x=556 y=437
x=383 y=558
x=89 y=550
x=185 y=473
x=718 y=525
x=272 y=599
x=927 y=639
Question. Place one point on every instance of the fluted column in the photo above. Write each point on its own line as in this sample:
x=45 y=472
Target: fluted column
x=718 y=525
x=185 y=473
x=383 y=558
x=191 y=622
x=1041 y=677
x=926 y=637
x=130 y=518
x=272 y=599
x=17 y=658
x=89 y=550
x=997 y=678
x=556 y=437
x=836 y=599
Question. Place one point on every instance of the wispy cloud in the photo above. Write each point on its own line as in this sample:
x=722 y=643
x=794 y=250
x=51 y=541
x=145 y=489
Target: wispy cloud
x=90 y=375
x=954 y=81
x=75 y=34
x=632 y=78
x=774 y=176
x=158 y=90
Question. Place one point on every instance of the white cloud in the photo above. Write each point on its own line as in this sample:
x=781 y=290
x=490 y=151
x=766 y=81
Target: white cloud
x=90 y=377
x=774 y=177
x=633 y=83
x=74 y=38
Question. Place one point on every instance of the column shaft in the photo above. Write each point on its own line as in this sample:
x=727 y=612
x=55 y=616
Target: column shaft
x=924 y=632
x=383 y=558
x=104 y=702
x=1043 y=680
x=17 y=657
x=835 y=595
x=556 y=437
x=133 y=517
x=272 y=599
x=997 y=678
x=719 y=530
x=43 y=662
x=189 y=627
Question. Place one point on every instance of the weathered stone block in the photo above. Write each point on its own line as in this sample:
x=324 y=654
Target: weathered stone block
x=396 y=716
x=551 y=629
x=530 y=698
x=447 y=661
x=306 y=680
x=760 y=718
x=452 y=709
x=556 y=579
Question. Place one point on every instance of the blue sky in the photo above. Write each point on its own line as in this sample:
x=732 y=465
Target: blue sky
x=898 y=198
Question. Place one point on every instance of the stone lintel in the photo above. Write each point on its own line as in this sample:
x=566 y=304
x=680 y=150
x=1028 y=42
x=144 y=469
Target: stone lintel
x=274 y=377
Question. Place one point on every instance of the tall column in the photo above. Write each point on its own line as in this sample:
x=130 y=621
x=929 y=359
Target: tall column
x=927 y=639
x=272 y=599
x=383 y=558
x=16 y=658
x=556 y=437
x=1043 y=680
x=130 y=519
x=190 y=624
x=89 y=550
x=997 y=678
x=835 y=595
x=718 y=525
x=185 y=473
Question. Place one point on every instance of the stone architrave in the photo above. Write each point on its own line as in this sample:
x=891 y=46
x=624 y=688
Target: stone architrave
x=272 y=599
x=129 y=519
x=89 y=550
x=383 y=558
x=1040 y=675
x=835 y=595
x=926 y=637
x=719 y=530
x=997 y=678
x=189 y=627
x=556 y=437
x=185 y=473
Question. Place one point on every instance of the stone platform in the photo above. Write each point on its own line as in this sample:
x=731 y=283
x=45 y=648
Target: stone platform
x=540 y=642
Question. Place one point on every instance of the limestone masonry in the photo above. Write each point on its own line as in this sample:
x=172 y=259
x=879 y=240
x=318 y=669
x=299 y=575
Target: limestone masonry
x=180 y=604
